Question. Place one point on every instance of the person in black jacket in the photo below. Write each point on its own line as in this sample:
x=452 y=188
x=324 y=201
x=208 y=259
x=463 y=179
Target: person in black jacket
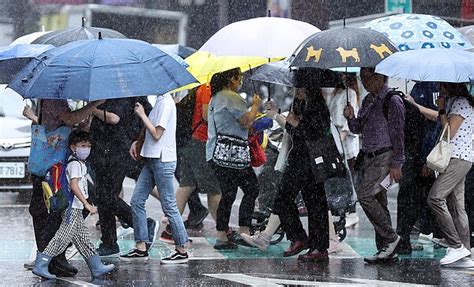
x=307 y=122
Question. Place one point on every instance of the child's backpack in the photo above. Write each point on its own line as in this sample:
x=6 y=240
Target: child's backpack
x=57 y=194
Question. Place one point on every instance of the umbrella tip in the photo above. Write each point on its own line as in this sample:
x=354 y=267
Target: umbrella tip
x=84 y=20
x=269 y=13
x=100 y=35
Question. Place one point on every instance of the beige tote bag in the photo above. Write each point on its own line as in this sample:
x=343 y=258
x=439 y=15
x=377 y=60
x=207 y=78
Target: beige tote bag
x=440 y=155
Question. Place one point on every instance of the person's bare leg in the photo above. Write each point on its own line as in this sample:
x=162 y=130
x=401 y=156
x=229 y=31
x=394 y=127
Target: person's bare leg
x=334 y=244
x=272 y=225
x=213 y=203
x=262 y=240
x=182 y=195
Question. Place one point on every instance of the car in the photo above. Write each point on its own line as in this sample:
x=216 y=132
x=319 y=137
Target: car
x=15 y=143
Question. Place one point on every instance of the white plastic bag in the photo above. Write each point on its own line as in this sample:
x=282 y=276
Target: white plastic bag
x=283 y=152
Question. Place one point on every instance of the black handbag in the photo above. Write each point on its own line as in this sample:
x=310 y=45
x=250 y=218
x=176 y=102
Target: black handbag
x=326 y=161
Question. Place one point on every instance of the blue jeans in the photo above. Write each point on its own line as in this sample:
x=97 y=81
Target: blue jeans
x=161 y=174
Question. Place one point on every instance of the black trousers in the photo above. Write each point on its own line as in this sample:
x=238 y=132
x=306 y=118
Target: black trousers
x=229 y=181
x=109 y=179
x=45 y=224
x=412 y=204
x=299 y=177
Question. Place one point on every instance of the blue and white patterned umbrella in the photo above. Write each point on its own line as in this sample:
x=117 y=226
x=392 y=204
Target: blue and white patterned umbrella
x=419 y=31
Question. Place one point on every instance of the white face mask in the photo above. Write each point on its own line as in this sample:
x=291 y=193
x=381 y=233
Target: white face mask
x=83 y=152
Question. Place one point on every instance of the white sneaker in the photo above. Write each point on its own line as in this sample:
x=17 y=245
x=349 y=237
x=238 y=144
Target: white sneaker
x=71 y=252
x=334 y=245
x=122 y=232
x=351 y=219
x=259 y=240
x=465 y=262
x=425 y=238
x=389 y=250
x=454 y=254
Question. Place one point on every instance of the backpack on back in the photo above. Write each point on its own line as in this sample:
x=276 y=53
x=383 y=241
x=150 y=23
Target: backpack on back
x=414 y=122
x=57 y=194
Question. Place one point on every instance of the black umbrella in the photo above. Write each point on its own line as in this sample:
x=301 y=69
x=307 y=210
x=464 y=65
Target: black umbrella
x=62 y=37
x=280 y=73
x=344 y=47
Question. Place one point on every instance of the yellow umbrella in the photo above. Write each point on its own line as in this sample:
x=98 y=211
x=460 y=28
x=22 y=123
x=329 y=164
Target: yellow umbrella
x=202 y=65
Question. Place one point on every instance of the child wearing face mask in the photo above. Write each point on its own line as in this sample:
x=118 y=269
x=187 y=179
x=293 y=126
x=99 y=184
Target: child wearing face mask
x=72 y=227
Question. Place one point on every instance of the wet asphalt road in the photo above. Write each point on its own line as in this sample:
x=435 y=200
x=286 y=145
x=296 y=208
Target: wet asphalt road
x=242 y=267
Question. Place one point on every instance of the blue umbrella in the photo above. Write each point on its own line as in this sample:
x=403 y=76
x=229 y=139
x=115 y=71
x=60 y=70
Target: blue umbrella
x=430 y=65
x=14 y=58
x=175 y=56
x=176 y=49
x=100 y=69
x=23 y=51
x=419 y=31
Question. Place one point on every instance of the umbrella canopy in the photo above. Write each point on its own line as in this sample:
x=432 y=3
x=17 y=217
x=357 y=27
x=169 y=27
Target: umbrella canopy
x=468 y=33
x=433 y=65
x=418 y=31
x=343 y=47
x=203 y=65
x=176 y=49
x=280 y=73
x=62 y=37
x=28 y=38
x=14 y=58
x=100 y=69
x=23 y=51
x=268 y=37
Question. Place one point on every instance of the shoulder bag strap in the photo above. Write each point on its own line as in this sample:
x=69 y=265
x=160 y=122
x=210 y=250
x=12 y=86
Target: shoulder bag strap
x=39 y=111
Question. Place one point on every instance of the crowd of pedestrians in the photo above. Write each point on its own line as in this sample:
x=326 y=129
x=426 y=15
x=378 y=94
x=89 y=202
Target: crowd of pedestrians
x=374 y=137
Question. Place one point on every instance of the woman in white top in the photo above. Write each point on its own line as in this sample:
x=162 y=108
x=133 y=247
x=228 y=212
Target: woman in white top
x=159 y=157
x=446 y=197
x=336 y=100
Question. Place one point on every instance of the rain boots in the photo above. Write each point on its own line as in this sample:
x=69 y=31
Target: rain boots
x=97 y=268
x=41 y=266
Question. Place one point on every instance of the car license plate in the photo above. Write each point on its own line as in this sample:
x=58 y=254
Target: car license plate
x=12 y=170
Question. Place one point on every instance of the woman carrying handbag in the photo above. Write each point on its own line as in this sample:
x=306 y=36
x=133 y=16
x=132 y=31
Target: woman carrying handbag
x=446 y=197
x=228 y=153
